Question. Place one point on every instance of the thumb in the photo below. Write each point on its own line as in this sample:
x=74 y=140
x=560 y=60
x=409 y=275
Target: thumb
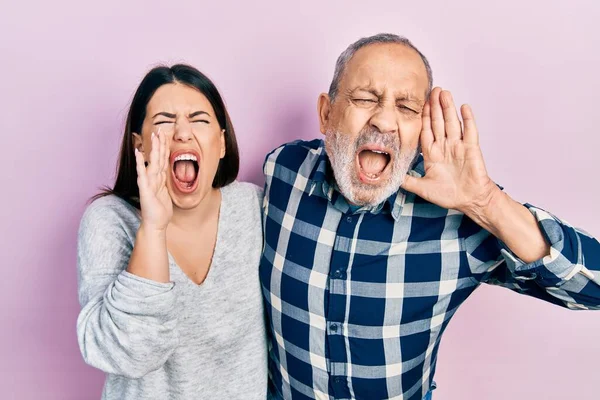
x=414 y=185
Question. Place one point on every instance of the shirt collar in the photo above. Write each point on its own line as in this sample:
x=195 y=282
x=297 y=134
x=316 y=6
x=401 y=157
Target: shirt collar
x=322 y=183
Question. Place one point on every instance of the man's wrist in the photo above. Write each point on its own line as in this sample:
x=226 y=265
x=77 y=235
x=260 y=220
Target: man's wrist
x=489 y=208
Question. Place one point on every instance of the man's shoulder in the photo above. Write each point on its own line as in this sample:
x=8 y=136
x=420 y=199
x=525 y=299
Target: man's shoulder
x=294 y=155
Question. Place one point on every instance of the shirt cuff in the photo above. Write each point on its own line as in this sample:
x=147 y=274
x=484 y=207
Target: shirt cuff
x=556 y=268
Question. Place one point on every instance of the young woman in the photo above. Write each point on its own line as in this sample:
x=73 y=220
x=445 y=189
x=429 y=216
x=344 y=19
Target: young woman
x=168 y=258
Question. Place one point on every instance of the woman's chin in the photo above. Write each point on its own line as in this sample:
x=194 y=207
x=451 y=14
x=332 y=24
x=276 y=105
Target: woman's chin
x=187 y=200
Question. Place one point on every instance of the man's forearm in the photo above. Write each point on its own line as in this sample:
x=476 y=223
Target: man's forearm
x=513 y=224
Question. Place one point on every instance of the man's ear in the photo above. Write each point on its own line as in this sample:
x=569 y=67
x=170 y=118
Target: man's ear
x=323 y=108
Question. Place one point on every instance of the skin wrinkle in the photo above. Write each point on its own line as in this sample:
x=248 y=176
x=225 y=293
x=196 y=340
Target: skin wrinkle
x=390 y=75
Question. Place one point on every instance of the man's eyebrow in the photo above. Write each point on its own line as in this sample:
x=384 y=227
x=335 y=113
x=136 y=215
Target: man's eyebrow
x=402 y=97
x=164 y=114
x=409 y=98
x=196 y=113
x=369 y=89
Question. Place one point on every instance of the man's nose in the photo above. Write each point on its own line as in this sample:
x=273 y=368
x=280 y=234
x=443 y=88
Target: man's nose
x=385 y=119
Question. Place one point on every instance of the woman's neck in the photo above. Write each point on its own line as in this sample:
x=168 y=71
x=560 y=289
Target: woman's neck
x=191 y=219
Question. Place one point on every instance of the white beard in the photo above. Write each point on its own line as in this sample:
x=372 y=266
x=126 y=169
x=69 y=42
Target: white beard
x=341 y=149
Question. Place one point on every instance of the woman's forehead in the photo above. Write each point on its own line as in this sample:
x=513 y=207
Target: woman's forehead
x=180 y=98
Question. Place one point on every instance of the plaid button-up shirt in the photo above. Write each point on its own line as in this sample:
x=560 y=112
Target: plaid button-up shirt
x=357 y=300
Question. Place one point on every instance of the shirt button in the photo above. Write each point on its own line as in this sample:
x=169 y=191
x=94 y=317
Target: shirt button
x=334 y=327
x=337 y=273
x=349 y=219
x=339 y=380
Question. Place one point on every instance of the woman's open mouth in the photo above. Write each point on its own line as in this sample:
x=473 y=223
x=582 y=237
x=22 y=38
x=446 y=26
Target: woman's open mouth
x=372 y=161
x=185 y=169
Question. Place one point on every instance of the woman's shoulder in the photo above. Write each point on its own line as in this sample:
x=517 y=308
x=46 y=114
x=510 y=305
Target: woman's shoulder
x=243 y=192
x=110 y=209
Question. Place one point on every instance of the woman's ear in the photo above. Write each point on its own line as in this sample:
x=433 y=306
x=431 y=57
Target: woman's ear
x=138 y=143
x=223 y=144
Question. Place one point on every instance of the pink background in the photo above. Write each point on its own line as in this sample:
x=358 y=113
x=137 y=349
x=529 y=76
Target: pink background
x=68 y=71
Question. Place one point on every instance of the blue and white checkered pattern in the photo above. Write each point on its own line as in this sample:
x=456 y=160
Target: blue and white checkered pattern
x=358 y=301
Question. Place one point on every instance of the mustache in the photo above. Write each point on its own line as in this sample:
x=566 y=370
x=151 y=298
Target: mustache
x=371 y=135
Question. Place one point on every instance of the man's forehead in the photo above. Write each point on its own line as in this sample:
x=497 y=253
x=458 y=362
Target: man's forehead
x=409 y=86
x=390 y=66
x=392 y=52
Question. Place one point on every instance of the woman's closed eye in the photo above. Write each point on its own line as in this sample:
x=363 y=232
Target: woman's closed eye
x=203 y=121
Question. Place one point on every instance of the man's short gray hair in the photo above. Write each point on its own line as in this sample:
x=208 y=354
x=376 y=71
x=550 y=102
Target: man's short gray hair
x=344 y=58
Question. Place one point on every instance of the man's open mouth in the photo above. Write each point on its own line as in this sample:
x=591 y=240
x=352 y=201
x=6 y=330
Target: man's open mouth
x=185 y=167
x=373 y=161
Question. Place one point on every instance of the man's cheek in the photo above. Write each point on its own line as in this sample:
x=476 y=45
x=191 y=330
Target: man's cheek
x=354 y=120
x=411 y=135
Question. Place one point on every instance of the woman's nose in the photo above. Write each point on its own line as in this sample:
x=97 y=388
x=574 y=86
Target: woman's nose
x=182 y=132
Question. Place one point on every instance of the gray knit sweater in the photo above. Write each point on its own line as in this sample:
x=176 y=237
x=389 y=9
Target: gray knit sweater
x=178 y=340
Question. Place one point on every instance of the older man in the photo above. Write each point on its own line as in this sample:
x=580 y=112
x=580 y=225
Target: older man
x=375 y=236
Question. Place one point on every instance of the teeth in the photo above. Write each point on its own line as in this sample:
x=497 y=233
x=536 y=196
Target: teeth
x=379 y=152
x=186 y=157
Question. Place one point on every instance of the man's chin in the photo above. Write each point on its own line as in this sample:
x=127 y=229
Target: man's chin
x=372 y=193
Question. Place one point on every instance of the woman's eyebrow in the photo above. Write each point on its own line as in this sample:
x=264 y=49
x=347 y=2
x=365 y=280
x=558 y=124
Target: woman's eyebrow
x=164 y=114
x=196 y=113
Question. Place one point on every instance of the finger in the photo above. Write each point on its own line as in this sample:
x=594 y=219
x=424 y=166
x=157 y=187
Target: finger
x=414 y=185
x=471 y=134
x=451 y=121
x=437 y=115
x=164 y=158
x=161 y=151
x=167 y=154
x=427 y=137
x=141 y=170
x=153 y=168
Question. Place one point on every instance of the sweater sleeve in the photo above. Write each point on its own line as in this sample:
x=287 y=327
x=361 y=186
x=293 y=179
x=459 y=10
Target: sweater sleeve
x=127 y=324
